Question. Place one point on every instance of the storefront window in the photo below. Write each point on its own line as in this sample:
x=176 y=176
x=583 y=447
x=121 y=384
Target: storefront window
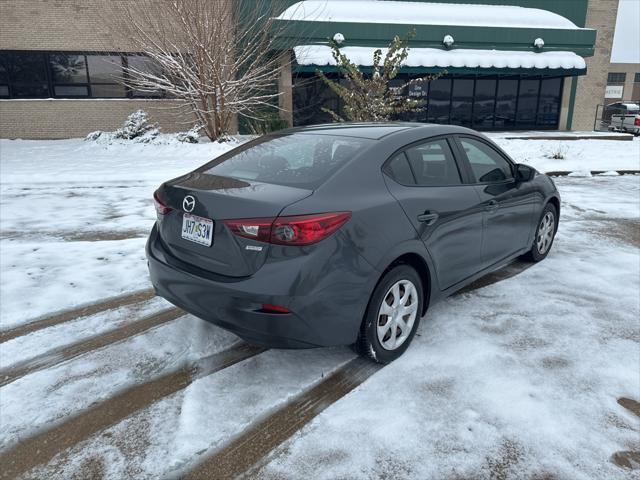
x=549 y=106
x=4 y=80
x=310 y=96
x=439 y=101
x=140 y=63
x=28 y=74
x=484 y=103
x=527 y=103
x=69 y=75
x=104 y=73
x=506 y=99
x=462 y=101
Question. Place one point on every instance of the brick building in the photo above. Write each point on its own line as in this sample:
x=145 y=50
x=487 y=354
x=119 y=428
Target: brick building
x=59 y=61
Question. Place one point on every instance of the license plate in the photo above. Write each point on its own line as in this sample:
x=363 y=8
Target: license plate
x=197 y=229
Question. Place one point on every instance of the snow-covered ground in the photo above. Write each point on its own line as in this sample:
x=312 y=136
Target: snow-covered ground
x=518 y=379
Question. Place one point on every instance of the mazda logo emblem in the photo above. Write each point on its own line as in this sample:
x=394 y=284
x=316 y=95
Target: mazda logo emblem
x=189 y=203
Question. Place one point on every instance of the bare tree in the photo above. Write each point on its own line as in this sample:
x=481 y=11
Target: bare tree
x=216 y=58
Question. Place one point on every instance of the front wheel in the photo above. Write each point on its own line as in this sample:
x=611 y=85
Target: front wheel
x=545 y=234
x=392 y=316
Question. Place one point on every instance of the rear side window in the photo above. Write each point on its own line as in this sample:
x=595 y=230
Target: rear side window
x=433 y=164
x=299 y=160
x=398 y=169
x=488 y=165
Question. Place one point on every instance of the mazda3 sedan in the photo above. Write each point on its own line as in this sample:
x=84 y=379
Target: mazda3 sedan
x=344 y=234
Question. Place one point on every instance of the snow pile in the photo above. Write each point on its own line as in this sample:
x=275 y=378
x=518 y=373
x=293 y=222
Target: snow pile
x=433 y=57
x=138 y=129
x=418 y=13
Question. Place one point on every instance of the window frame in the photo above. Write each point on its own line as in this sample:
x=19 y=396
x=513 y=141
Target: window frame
x=51 y=83
x=450 y=140
x=467 y=164
x=616 y=78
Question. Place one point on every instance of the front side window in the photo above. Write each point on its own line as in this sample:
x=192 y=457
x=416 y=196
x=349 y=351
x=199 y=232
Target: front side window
x=433 y=164
x=298 y=160
x=488 y=165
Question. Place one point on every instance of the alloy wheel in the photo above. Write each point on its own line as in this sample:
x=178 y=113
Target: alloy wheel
x=544 y=236
x=397 y=314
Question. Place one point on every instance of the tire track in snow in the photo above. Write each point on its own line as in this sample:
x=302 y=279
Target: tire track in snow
x=254 y=444
x=43 y=446
x=54 y=357
x=75 y=313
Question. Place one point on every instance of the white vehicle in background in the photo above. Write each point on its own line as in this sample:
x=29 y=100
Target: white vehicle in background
x=627 y=120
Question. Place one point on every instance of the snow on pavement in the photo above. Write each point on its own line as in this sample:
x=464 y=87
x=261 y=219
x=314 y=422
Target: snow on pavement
x=513 y=380
x=40 y=399
x=91 y=193
x=516 y=380
x=74 y=216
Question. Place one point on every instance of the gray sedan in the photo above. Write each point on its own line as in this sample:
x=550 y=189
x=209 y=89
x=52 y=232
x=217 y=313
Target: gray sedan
x=344 y=234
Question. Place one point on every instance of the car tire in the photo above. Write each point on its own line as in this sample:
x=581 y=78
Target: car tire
x=395 y=303
x=546 y=229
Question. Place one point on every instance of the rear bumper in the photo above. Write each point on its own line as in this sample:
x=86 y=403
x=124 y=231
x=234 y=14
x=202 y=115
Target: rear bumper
x=327 y=309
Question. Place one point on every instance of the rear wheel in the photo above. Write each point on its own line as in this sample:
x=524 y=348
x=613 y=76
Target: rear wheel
x=545 y=233
x=392 y=316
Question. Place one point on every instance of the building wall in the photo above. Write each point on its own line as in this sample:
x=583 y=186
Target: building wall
x=60 y=25
x=38 y=119
x=72 y=25
x=629 y=93
x=601 y=16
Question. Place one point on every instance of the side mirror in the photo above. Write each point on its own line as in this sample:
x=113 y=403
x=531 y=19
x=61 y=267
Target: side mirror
x=524 y=173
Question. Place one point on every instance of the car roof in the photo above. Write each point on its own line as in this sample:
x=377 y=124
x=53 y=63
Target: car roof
x=375 y=130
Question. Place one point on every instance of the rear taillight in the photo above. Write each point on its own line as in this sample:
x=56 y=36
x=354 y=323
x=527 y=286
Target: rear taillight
x=306 y=229
x=296 y=230
x=254 y=228
x=269 y=308
x=161 y=207
x=636 y=122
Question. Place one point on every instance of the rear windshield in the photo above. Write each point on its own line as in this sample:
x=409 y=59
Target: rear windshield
x=297 y=160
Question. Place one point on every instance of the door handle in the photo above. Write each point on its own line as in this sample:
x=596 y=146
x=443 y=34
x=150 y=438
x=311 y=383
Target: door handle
x=428 y=217
x=492 y=205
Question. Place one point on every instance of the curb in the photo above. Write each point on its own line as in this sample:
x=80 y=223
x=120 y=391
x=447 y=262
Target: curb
x=564 y=173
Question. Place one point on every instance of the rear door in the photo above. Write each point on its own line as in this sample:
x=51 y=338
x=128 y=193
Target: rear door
x=508 y=205
x=426 y=180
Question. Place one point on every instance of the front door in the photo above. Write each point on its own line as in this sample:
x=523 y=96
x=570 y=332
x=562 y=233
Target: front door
x=444 y=211
x=508 y=205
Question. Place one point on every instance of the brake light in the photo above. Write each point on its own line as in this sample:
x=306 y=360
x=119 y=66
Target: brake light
x=253 y=228
x=298 y=230
x=636 y=122
x=161 y=207
x=306 y=229
x=269 y=308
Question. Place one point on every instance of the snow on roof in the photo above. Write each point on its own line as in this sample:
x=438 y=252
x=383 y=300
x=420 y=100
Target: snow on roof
x=417 y=13
x=433 y=57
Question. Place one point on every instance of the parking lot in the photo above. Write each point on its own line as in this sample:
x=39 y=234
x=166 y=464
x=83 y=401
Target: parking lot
x=531 y=372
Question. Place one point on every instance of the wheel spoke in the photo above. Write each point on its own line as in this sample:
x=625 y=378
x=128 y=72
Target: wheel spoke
x=385 y=309
x=395 y=291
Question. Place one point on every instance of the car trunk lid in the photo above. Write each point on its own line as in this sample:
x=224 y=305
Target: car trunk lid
x=222 y=198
